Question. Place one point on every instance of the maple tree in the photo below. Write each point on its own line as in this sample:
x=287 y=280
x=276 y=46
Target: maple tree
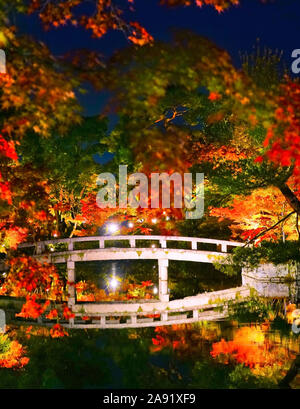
x=215 y=119
x=69 y=167
x=34 y=97
x=106 y=15
x=257 y=213
x=100 y=16
x=22 y=211
x=44 y=290
x=53 y=106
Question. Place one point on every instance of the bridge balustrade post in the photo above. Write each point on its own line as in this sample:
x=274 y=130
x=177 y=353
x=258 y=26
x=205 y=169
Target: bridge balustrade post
x=196 y=314
x=70 y=246
x=132 y=243
x=71 y=280
x=194 y=245
x=164 y=316
x=163 y=244
x=2 y=321
x=225 y=309
x=40 y=248
x=101 y=243
x=224 y=248
x=163 y=279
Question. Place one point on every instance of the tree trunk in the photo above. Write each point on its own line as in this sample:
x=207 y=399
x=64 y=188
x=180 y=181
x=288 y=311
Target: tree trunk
x=291 y=198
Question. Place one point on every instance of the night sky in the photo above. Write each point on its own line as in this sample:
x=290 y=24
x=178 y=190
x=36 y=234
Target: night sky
x=276 y=24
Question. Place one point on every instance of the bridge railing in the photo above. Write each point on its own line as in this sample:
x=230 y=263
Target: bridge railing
x=40 y=247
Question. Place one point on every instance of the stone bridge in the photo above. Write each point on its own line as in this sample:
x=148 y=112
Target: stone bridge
x=158 y=250
x=144 y=313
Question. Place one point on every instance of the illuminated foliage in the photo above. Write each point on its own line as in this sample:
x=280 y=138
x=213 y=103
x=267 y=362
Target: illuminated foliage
x=43 y=288
x=58 y=331
x=12 y=353
x=28 y=276
x=219 y=5
x=211 y=118
x=283 y=140
x=88 y=292
x=106 y=14
x=256 y=213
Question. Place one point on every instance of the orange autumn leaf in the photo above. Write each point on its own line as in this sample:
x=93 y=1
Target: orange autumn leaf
x=214 y=96
x=58 y=331
x=7 y=148
x=67 y=313
x=52 y=314
x=32 y=309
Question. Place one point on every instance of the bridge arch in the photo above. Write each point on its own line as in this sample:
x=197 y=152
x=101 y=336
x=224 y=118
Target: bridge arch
x=159 y=252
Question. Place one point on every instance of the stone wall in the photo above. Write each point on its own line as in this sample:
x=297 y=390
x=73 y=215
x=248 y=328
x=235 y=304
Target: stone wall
x=269 y=280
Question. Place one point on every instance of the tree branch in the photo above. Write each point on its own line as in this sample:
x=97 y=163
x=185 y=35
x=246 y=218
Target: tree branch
x=270 y=228
x=290 y=196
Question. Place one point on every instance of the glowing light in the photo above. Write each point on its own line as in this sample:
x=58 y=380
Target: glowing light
x=154 y=221
x=153 y=246
x=55 y=235
x=52 y=249
x=114 y=282
x=112 y=228
x=130 y=225
x=167 y=218
x=155 y=290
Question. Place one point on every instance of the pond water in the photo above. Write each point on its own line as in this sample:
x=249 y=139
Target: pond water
x=223 y=354
x=254 y=348
x=184 y=278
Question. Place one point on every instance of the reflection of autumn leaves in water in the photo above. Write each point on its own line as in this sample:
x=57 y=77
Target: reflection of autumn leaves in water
x=251 y=347
x=184 y=338
x=254 y=346
x=11 y=353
